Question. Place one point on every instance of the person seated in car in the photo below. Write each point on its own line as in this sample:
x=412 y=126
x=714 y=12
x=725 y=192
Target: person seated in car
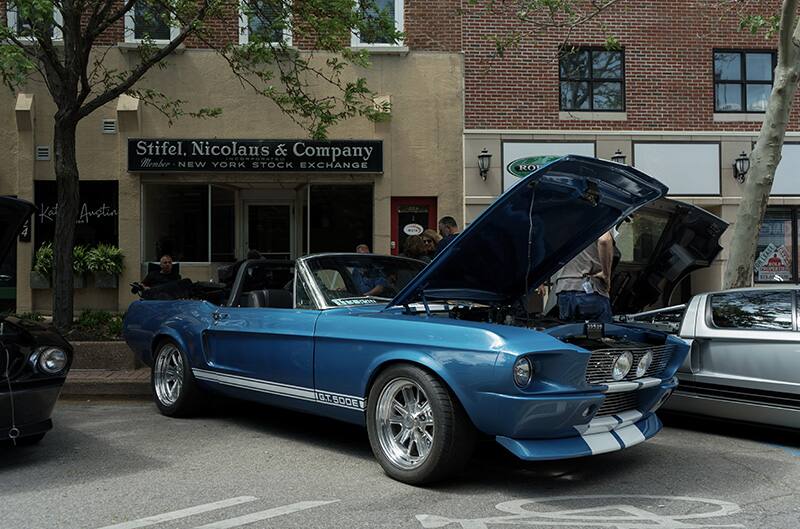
x=368 y=282
x=162 y=276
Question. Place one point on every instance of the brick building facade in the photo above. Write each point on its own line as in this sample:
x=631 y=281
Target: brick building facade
x=683 y=99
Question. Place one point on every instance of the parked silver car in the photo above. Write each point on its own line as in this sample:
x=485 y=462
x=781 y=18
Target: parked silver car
x=744 y=362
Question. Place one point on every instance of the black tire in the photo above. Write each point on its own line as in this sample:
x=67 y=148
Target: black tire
x=189 y=399
x=453 y=432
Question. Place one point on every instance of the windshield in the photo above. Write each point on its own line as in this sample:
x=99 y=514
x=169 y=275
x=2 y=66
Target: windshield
x=361 y=279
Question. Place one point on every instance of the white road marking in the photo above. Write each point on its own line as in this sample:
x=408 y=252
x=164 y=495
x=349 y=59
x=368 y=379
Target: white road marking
x=264 y=515
x=183 y=513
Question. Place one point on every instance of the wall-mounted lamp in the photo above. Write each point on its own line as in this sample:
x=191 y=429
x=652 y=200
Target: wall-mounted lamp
x=618 y=157
x=484 y=162
x=740 y=167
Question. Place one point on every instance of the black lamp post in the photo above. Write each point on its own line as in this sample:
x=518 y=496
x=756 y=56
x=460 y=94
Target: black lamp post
x=484 y=162
x=618 y=157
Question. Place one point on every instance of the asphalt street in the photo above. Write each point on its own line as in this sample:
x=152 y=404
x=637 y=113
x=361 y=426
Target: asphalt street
x=121 y=465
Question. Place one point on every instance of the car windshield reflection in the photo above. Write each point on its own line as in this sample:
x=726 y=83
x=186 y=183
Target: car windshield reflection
x=361 y=279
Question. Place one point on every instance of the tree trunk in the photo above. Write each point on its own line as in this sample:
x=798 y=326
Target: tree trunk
x=763 y=162
x=66 y=167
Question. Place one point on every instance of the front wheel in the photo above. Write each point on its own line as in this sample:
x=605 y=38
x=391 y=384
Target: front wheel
x=417 y=429
x=174 y=387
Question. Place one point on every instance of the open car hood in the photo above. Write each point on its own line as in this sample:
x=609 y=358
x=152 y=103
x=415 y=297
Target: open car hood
x=532 y=230
x=662 y=243
x=13 y=214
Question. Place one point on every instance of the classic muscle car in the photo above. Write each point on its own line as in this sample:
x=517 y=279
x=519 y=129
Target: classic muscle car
x=34 y=359
x=443 y=354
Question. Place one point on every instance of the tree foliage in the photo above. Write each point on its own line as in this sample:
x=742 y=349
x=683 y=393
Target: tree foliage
x=61 y=43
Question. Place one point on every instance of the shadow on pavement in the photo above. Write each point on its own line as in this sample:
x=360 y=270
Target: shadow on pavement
x=763 y=434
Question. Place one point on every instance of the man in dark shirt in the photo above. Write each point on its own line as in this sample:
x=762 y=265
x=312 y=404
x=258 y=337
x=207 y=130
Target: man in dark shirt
x=164 y=275
x=448 y=229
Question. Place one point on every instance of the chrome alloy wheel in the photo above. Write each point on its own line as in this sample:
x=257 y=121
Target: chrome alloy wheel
x=405 y=423
x=168 y=375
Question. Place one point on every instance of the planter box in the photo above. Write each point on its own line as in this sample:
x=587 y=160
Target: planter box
x=78 y=281
x=102 y=280
x=38 y=281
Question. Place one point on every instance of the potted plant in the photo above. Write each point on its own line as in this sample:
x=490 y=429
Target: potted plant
x=105 y=262
x=42 y=267
x=80 y=265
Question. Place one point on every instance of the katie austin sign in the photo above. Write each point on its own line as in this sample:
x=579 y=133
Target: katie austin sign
x=259 y=156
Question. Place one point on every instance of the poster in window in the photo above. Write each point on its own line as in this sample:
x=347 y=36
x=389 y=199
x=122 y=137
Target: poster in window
x=774 y=264
x=97 y=212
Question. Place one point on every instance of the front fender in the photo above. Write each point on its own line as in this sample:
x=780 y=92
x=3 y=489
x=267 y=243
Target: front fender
x=462 y=377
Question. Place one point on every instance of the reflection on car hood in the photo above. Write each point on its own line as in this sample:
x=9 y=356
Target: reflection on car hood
x=13 y=214
x=533 y=229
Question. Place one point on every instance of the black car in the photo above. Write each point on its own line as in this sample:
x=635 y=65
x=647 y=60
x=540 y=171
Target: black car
x=34 y=359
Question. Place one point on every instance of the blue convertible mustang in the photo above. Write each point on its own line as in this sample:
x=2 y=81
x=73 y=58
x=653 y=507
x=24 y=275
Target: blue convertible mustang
x=434 y=357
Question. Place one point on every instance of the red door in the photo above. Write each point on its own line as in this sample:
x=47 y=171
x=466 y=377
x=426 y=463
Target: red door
x=411 y=215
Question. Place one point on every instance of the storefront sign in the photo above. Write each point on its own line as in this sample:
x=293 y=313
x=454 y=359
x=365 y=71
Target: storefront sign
x=97 y=212
x=255 y=156
x=774 y=264
x=525 y=166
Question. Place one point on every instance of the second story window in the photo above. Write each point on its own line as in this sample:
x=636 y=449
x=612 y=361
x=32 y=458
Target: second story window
x=592 y=80
x=262 y=20
x=23 y=27
x=374 y=34
x=742 y=80
x=149 y=21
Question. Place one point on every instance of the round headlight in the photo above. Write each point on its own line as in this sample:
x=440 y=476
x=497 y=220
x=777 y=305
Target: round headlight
x=522 y=372
x=52 y=361
x=622 y=365
x=644 y=364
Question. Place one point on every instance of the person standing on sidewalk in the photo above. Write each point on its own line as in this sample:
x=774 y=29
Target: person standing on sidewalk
x=583 y=285
x=448 y=228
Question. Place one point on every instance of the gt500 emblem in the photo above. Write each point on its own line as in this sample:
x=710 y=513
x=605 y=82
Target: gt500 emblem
x=341 y=400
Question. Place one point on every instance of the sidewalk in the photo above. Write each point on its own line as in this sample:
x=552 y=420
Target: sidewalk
x=132 y=383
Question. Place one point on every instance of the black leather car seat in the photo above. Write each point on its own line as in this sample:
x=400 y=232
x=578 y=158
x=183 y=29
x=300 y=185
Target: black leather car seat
x=275 y=298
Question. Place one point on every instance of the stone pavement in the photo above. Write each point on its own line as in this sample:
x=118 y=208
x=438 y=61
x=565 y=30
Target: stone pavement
x=108 y=382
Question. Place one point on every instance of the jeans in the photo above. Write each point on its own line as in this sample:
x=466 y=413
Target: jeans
x=580 y=306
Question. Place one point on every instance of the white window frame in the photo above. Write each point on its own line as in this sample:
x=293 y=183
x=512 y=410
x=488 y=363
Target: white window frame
x=355 y=38
x=130 y=29
x=244 y=28
x=11 y=17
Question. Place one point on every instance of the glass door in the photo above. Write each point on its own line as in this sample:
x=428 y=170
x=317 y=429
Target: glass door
x=268 y=230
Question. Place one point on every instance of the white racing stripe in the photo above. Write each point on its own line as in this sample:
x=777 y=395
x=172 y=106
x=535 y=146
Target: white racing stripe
x=264 y=515
x=600 y=443
x=630 y=435
x=183 y=513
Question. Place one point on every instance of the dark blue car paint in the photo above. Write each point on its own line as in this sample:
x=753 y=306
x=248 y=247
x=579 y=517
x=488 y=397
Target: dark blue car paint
x=324 y=361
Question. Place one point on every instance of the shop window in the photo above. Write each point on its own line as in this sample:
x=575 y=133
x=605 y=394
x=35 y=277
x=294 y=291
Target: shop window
x=149 y=22
x=372 y=34
x=776 y=249
x=181 y=220
x=223 y=224
x=98 y=217
x=23 y=27
x=592 y=80
x=341 y=217
x=742 y=80
x=176 y=222
x=766 y=309
x=262 y=21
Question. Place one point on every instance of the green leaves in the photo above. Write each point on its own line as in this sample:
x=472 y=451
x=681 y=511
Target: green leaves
x=756 y=23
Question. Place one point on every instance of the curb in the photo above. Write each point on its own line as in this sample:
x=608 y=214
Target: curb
x=107 y=382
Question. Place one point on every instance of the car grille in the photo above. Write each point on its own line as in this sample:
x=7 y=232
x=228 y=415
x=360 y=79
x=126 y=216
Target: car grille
x=598 y=371
x=618 y=402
